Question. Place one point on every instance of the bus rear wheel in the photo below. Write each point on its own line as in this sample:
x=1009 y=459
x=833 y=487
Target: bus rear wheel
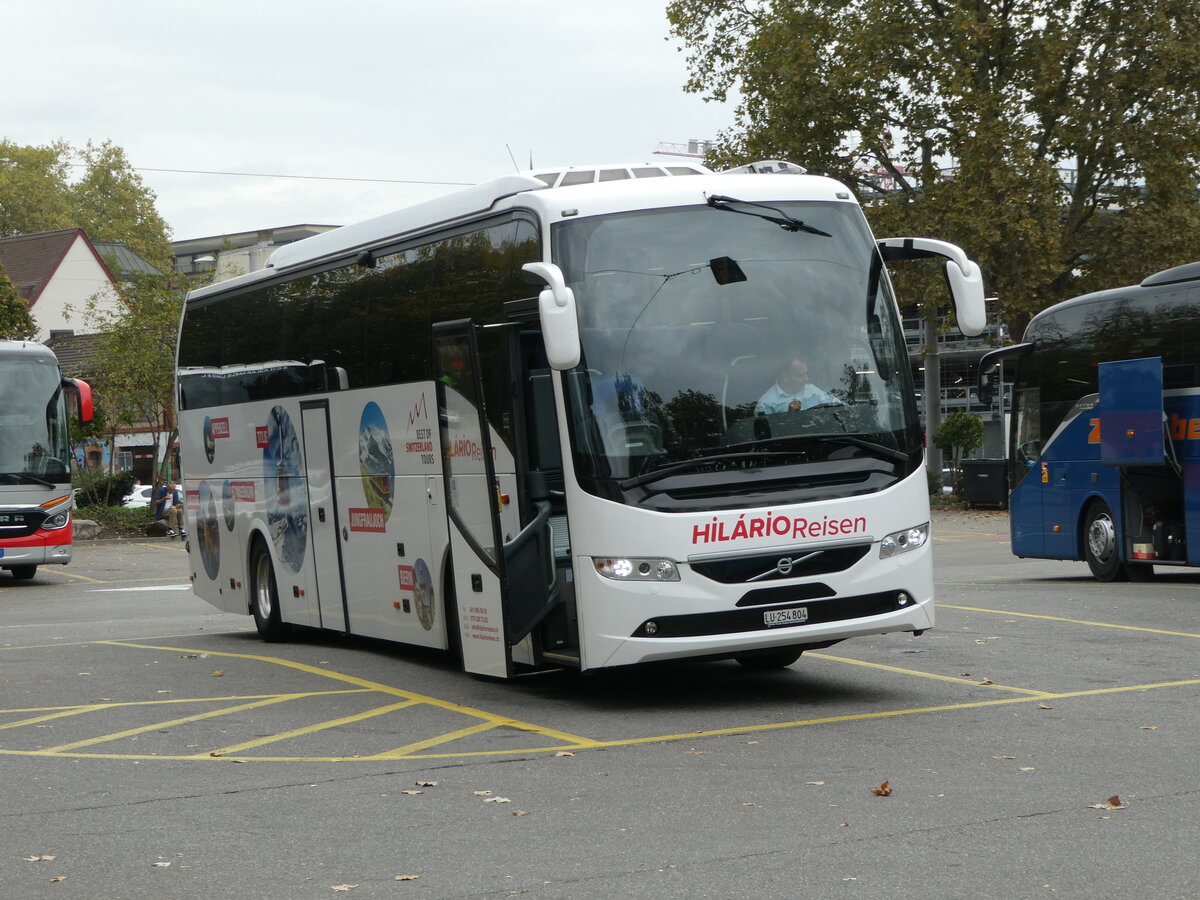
x=23 y=573
x=264 y=596
x=767 y=660
x=1100 y=545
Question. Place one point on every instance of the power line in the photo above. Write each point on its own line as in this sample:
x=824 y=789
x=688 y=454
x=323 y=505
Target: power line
x=305 y=177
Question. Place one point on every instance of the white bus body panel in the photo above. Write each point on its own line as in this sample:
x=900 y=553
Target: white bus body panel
x=389 y=514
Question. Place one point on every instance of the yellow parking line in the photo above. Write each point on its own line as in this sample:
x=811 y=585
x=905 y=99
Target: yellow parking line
x=1002 y=612
x=919 y=674
x=113 y=704
x=371 y=685
x=211 y=714
x=61 y=714
x=436 y=741
x=311 y=729
x=74 y=577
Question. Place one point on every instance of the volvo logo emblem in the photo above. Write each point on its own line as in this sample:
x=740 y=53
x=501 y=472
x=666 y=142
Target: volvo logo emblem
x=784 y=566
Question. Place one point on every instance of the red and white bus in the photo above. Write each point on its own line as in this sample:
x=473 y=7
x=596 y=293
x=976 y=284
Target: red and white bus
x=35 y=455
x=524 y=421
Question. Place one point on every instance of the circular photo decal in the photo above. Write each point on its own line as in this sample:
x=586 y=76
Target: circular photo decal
x=210 y=443
x=208 y=533
x=286 y=495
x=376 y=460
x=423 y=594
x=227 y=504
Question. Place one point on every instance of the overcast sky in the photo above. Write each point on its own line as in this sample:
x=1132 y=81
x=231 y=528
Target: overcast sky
x=429 y=91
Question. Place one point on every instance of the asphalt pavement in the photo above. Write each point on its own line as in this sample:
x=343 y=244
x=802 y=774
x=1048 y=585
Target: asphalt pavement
x=1039 y=742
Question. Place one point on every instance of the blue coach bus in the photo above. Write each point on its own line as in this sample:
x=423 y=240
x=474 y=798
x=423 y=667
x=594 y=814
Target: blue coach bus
x=1105 y=433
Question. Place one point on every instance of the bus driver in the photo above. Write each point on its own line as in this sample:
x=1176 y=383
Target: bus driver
x=793 y=391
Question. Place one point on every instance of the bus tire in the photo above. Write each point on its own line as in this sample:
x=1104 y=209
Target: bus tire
x=769 y=660
x=264 y=595
x=1100 y=547
x=23 y=573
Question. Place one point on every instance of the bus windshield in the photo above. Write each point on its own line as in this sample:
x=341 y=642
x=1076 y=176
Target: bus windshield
x=707 y=336
x=33 y=423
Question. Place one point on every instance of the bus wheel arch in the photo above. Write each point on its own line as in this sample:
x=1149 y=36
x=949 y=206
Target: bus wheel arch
x=264 y=592
x=1101 y=544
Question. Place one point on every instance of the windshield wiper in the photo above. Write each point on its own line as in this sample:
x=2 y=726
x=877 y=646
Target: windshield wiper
x=782 y=219
x=25 y=478
x=876 y=448
x=695 y=462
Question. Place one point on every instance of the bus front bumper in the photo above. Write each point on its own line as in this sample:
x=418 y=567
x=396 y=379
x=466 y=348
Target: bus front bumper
x=41 y=548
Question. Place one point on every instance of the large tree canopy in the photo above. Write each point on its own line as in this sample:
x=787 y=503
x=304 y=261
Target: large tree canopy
x=92 y=187
x=16 y=321
x=1058 y=141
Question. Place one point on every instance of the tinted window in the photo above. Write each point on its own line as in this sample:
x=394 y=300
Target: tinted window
x=350 y=327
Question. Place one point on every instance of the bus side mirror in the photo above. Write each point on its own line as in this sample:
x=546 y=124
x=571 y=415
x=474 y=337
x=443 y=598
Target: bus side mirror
x=83 y=394
x=987 y=387
x=962 y=276
x=556 y=311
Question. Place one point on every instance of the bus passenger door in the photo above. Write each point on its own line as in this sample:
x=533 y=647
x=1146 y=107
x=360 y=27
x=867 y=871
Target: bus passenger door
x=503 y=582
x=322 y=515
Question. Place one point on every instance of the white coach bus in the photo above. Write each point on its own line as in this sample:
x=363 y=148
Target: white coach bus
x=585 y=418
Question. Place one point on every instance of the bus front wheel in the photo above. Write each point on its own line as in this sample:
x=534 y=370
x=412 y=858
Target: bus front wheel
x=264 y=596
x=1100 y=545
x=23 y=573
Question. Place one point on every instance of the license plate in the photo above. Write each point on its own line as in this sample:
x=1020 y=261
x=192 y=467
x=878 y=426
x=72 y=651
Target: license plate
x=773 y=617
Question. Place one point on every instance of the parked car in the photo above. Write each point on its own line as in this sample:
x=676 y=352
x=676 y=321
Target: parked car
x=141 y=497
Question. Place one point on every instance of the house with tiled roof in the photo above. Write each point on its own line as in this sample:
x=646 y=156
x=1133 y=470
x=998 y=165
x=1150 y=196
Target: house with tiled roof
x=57 y=272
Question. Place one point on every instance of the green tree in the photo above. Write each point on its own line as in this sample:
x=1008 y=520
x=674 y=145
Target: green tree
x=134 y=370
x=1044 y=136
x=92 y=187
x=16 y=321
x=960 y=434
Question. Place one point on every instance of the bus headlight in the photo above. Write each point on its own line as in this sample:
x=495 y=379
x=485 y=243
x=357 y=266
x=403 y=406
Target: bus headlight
x=903 y=541
x=55 y=522
x=631 y=569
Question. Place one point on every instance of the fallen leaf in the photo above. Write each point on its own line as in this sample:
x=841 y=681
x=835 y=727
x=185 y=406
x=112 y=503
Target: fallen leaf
x=342 y=887
x=427 y=784
x=1113 y=802
x=1149 y=728
x=215 y=753
x=844 y=825
x=407 y=877
x=1003 y=757
x=987 y=681
x=482 y=793
x=814 y=782
x=520 y=812
x=37 y=858
x=1044 y=706
x=496 y=800
x=749 y=742
x=412 y=792
x=58 y=878
x=217 y=673
x=162 y=865
x=749 y=804
x=564 y=753
x=1026 y=768
x=884 y=790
